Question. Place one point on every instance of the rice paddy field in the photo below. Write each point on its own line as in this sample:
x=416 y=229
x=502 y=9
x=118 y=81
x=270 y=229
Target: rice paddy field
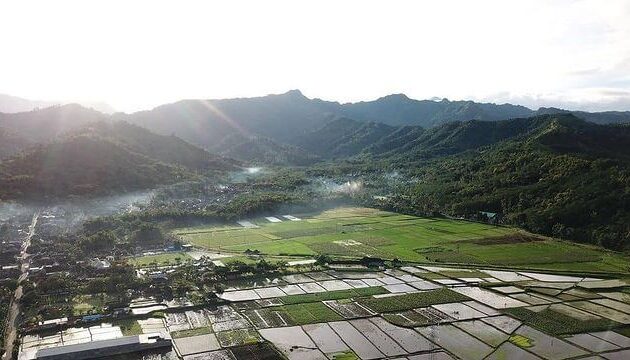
x=413 y=312
x=352 y=232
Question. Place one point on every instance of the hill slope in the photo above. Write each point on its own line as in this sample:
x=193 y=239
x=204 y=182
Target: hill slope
x=102 y=158
x=262 y=150
x=167 y=149
x=46 y=124
x=292 y=118
x=82 y=165
x=11 y=143
x=564 y=178
x=343 y=137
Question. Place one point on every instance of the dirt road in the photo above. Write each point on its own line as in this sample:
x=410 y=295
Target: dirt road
x=14 y=308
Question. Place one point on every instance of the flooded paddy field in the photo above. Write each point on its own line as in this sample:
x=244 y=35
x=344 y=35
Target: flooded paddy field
x=374 y=319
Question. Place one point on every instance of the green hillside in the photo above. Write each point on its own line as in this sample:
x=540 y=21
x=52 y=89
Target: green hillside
x=82 y=165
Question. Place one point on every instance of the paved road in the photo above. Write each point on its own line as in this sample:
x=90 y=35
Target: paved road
x=14 y=308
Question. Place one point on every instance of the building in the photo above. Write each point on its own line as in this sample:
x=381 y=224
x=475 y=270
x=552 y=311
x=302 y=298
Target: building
x=489 y=217
x=106 y=348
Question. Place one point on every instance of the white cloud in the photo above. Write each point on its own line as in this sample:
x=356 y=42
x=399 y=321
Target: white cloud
x=137 y=54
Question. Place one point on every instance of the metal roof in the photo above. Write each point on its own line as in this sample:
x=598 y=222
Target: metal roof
x=99 y=344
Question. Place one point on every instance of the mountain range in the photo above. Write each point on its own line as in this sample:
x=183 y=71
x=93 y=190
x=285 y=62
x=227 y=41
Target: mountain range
x=100 y=158
x=551 y=171
x=282 y=129
x=224 y=126
x=13 y=104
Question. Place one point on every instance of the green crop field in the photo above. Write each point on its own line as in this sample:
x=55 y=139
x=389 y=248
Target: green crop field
x=309 y=313
x=351 y=232
x=411 y=301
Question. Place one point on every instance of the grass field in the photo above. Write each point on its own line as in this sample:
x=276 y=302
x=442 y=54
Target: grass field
x=351 y=232
x=84 y=304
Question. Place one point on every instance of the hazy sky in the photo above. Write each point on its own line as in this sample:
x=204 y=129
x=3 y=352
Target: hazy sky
x=139 y=54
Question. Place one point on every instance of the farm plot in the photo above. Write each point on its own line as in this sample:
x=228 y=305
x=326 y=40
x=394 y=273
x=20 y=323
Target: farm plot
x=293 y=342
x=380 y=339
x=357 y=342
x=238 y=337
x=613 y=337
x=268 y=317
x=408 y=318
x=489 y=298
x=310 y=313
x=358 y=232
x=191 y=332
x=326 y=339
x=409 y=339
x=225 y=318
x=456 y=341
x=404 y=302
x=333 y=295
x=197 y=319
x=557 y=323
x=602 y=311
x=348 y=309
x=197 y=344
x=287 y=315
x=252 y=352
x=590 y=342
x=483 y=332
x=504 y=323
x=508 y=350
x=177 y=321
x=546 y=346
x=459 y=311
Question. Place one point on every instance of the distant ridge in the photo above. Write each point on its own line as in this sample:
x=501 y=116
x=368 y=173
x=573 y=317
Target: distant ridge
x=13 y=104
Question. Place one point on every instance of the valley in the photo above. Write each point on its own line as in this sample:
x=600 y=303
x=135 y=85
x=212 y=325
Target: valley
x=337 y=236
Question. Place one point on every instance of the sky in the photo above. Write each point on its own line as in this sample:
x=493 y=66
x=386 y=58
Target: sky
x=135 y=55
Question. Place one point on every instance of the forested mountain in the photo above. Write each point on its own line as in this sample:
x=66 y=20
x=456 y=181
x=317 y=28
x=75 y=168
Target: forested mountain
x=11 y=143
x=82 y=165
x=102 y=158
x=46 y=124
x=262 y=150
x=552 y=173
x=400 y=110
x=315 y=128
x=604 y=117
x=207 y=122
x=168 y=149
x=559 y=176
x=343 y=137
x=292 y=118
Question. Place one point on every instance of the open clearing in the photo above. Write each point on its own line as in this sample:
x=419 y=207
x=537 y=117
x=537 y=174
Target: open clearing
x=167 y=258
x=356 y=232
